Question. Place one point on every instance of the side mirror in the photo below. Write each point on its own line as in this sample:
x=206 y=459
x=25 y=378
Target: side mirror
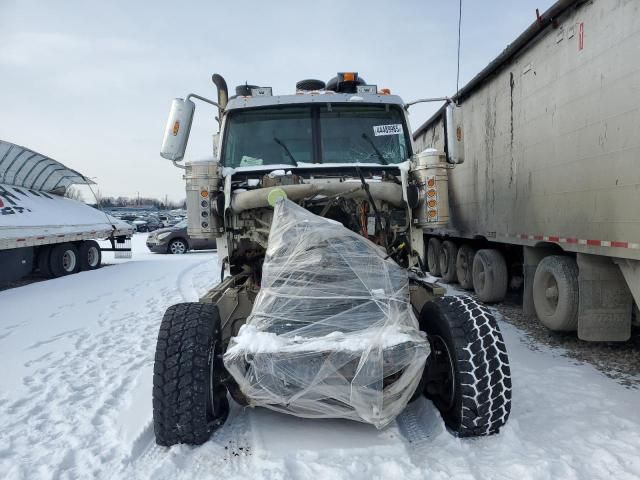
x=455 y=134
x=176 y=133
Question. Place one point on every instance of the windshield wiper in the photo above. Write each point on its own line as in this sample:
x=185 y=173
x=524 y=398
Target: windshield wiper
x=375 y=149
x=281 y=143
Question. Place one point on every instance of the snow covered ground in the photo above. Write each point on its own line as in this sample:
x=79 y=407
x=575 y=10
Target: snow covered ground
x=76 y=357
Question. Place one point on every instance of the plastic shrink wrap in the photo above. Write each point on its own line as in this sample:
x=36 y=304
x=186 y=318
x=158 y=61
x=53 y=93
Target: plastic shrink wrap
x=332 y=333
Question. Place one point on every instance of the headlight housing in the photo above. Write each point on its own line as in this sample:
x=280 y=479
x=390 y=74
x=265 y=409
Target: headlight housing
x=164 y=235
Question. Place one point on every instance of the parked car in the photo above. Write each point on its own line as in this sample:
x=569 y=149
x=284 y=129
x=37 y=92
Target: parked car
x=176 y=240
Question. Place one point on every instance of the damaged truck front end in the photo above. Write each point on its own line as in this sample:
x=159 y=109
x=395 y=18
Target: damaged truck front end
x=315 y=200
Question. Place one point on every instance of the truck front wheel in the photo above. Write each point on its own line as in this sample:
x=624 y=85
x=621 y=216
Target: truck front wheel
x=433 y=256
x=467 y=375
x=189 y=396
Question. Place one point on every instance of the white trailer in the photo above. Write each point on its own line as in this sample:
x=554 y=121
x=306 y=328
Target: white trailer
x=544 y=181
x=40 y=230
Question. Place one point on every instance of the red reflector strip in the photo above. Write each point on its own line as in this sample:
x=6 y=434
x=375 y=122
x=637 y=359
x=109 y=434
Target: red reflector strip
x=21 y=239
x=574 y=241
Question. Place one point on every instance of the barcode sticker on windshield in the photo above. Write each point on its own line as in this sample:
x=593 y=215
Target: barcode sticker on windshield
x=387 y=130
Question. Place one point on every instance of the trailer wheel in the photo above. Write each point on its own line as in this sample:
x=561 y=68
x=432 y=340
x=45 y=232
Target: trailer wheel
x=467 y=375
x=44 y=256
x=433 y=256
x=464 y=266
x=63 y=260
x=189 y=396
x=490 y=277
x=90 y=255
x=555 y=293
x=448 y=255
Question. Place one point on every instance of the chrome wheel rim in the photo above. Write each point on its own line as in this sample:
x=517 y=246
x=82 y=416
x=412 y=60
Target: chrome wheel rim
x=178 y=247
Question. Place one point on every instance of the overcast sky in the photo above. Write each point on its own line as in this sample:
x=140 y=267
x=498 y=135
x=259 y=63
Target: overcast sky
x=89 y=83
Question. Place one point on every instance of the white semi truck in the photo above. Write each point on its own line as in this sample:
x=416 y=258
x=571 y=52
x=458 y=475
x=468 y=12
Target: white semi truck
x=316 y=201
x=42 y=231
x=544 y=178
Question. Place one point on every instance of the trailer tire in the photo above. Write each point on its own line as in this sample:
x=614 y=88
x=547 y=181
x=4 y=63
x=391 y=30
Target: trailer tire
x=556 y=293
x=189 y=396
x=464 y=266
x=490 y=276
x=44 y=255
x=63 y=260
x=448 y=257
x=467 y=375
x=433 y=256
x=90 y=255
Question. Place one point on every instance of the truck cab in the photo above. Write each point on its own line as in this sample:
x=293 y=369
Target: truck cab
x=317 y=202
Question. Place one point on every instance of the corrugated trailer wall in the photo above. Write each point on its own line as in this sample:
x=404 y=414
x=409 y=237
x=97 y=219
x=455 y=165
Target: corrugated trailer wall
x=552 y=139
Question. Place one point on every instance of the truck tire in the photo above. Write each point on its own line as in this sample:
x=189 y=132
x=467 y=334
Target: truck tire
x=178 y=246
x=490 y=277
x=464 y=266
x=63 y=260
x=189 y=397
x=555 y=293
x=448 y=256
x=433 y=256
x=90 y=255
x=44 y=255
x=467 y=375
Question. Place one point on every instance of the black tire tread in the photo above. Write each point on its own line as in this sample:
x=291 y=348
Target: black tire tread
x=565 y=271
x=433 y=256
x=55 y=259
x=482 y=367
x=448 y=257
x=180 y=374
x=83 y=251
x=44 y=253
x=496 y=275
x=464 y=275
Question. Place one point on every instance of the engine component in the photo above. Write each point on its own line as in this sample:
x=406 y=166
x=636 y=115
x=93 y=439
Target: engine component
x=332 y=333
x=386 y=191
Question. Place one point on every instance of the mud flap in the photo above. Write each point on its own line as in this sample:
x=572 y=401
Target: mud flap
x=605 y=306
